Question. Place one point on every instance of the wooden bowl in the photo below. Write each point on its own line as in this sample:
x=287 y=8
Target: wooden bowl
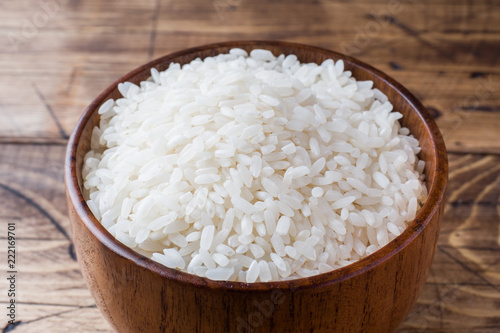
x=375 y=294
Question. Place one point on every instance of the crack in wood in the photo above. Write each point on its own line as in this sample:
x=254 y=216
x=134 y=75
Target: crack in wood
x=12 y=327
x=454 y=287
x=416 y=34
x=71 y=80
x=468 y=269
x=34 y=204
x=71 y=251
x=484 y=108
x=63 y=133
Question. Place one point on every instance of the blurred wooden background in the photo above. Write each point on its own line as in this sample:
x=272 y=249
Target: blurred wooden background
x=57 y=55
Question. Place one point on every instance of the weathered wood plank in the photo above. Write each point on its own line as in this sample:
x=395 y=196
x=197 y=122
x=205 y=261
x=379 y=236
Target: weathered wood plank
x=50 y=261
x=463 y=290
x=461 y=295
x=53 y=318
x=444 y=53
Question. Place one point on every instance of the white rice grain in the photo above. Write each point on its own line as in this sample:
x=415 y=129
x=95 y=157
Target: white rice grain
x=251 y=167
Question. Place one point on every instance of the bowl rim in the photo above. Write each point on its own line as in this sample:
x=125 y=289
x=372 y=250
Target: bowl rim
x=424 y=216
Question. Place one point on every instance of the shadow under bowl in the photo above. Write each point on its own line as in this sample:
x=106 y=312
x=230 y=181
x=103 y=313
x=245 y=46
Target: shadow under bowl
x=375 y=294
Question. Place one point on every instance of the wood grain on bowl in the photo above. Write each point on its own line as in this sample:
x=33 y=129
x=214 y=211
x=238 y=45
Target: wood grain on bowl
x=375 y=294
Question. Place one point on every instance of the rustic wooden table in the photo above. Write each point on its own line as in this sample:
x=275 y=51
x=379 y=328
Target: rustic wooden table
x=56 y=55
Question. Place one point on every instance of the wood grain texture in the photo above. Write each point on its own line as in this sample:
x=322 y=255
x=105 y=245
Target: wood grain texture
x=461 y=294
x=445 y=52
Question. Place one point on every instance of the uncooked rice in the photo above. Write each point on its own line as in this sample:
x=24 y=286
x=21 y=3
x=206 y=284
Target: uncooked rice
x=251 y=167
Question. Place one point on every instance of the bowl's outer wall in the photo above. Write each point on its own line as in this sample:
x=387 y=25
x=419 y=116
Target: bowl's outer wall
x=133 y=299
x=374 y=298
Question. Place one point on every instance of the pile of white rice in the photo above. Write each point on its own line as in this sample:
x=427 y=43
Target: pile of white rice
x=253 y=167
